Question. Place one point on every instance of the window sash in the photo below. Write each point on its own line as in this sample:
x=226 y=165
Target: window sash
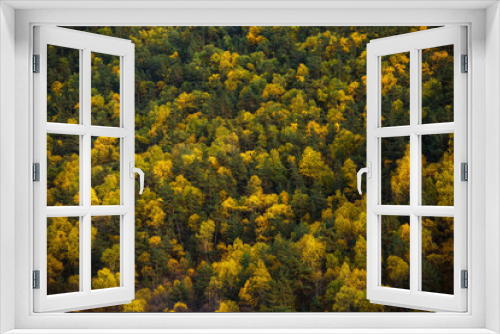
x=413 y=43
x=85 y=298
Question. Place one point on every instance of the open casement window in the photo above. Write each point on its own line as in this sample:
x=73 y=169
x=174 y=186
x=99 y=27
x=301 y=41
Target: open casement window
x=416 y=198
x=87 y=202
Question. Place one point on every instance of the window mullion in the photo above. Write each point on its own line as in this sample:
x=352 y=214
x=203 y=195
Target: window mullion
x=433 y=128
x=80 y=130
x=392 y=131
x=85 y=184
x=80 y=211
x=419 y=129
x=66 y=129
x=82 y=174
x=414 y=171
x=106 y=131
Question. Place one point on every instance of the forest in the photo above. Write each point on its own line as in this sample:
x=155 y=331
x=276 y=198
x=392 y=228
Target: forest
x=250 y=139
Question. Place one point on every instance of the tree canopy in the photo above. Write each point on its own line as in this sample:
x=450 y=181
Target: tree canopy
x=250 y=139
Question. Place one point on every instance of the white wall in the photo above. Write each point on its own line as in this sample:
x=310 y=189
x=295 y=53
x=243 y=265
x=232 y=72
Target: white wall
x=323 y=17
x=7 y=161
x=492 y=166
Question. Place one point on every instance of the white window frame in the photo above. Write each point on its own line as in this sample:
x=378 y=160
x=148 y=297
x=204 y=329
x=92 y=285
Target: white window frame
x=85 y=43
x=413 y=43
x=483 y=100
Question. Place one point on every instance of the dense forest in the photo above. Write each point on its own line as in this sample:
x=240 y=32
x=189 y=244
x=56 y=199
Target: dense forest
x=250 y=139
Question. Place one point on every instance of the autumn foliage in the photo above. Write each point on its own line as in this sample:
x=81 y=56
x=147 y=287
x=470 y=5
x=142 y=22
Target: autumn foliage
x=250 y=139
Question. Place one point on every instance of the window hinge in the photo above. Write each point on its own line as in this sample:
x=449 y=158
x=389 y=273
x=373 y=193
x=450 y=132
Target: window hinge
x=36 y=172
x=36 y=63
x=464 y=172
x=465 y=279
x=36 y=279
x=465 y=63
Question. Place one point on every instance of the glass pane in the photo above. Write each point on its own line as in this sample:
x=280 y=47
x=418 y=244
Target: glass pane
x=105 y=252
x=437 y=84
x=437 y=254
x=63 y=255
x=63 y=85
x=395 y=171
x=105 y=171
x=396 y=252
x=437 y=170
x=395 y=89
x=63 y=170
x=105 y=89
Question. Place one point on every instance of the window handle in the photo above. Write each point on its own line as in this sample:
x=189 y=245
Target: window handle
x=139 y=171
x=368 y=171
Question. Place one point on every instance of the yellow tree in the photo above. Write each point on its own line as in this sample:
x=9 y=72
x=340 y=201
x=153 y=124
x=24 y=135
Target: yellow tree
x=313 y=250
x=313 y=253
x=302 y=73
x=105 y=279
x=205 y=235
x=254 y=289
x=444 y=180
x=398 y=271
x=349 y=173
x=228 y=306
x=313 y=166
x=400 y=180
x=63 y=249
x=140 y=303
x=111 y=257
x=350 y=223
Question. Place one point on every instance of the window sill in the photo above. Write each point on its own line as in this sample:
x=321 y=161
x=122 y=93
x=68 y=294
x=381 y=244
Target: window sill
x=250 y=331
